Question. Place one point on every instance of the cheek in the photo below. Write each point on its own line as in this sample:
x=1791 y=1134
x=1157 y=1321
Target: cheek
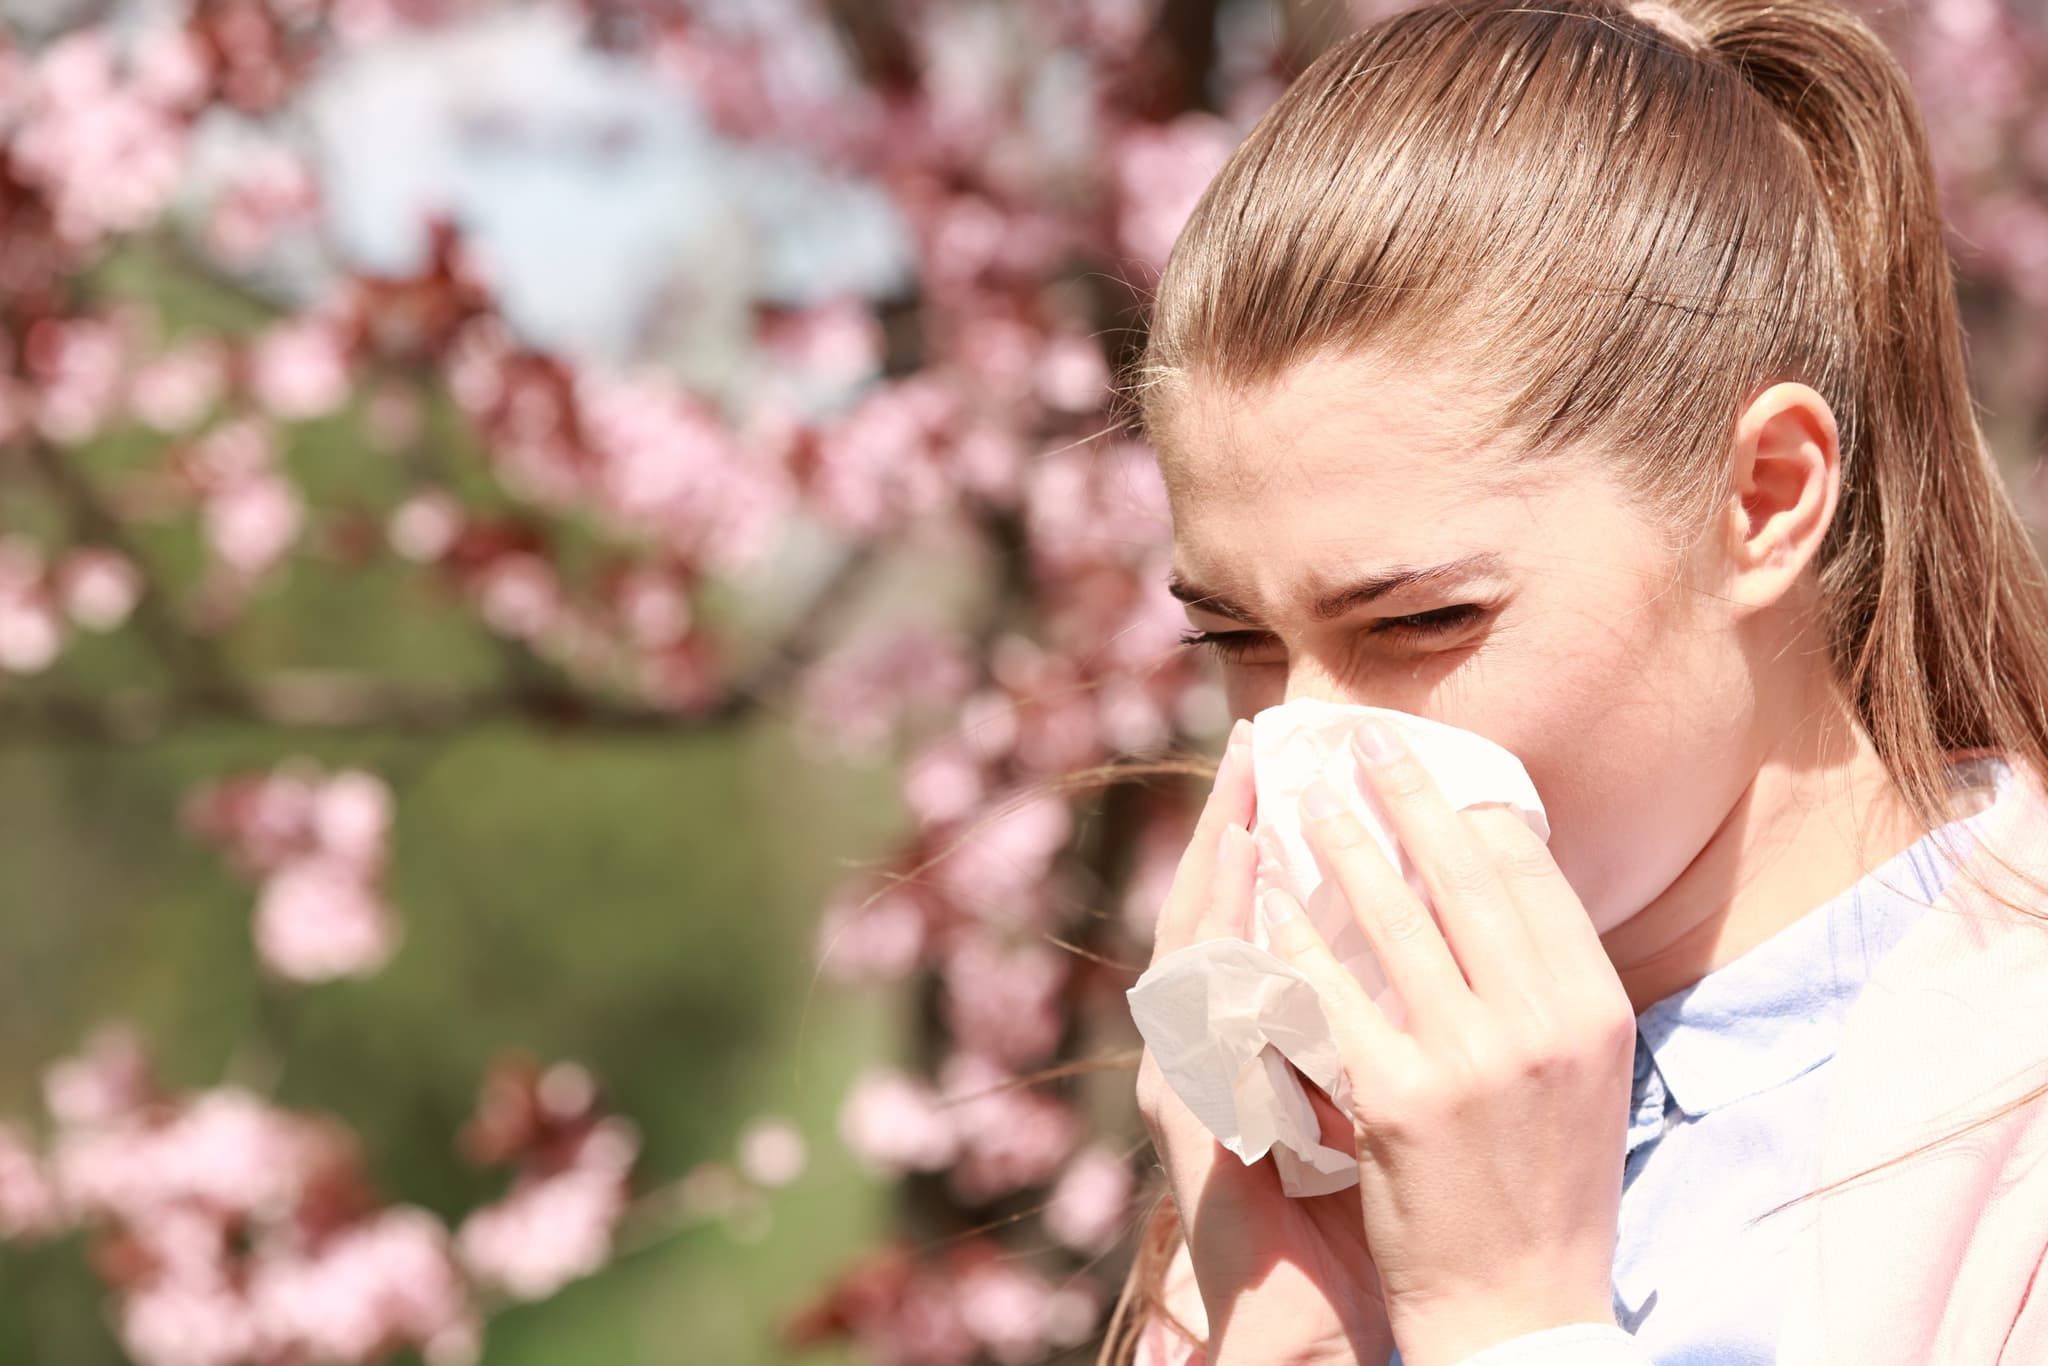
x=1639 y=771
x=1612 y=732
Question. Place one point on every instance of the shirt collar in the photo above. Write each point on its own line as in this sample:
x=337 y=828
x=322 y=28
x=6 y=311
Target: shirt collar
x=1763 y=1018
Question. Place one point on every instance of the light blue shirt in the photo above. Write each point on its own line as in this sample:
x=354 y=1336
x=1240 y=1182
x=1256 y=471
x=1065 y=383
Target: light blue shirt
x=1729 y=1093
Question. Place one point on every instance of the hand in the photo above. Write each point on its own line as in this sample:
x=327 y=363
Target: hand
x=1490 y=1128
x=1285 y=1282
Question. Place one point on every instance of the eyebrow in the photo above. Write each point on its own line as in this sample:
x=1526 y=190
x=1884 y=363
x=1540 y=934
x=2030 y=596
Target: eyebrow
x=1340 y=601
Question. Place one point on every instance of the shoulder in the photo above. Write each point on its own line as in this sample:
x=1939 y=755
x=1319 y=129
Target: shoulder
x=1933 y=1216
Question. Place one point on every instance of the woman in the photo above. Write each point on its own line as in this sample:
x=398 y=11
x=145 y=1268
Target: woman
x=1588 y=375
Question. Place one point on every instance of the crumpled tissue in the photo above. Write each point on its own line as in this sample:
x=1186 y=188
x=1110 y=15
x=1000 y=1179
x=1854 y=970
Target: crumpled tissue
x=1224 y=1018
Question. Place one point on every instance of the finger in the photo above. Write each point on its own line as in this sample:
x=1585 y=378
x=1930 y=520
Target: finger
x=1402 y=932
x=1230 y=799
x=1368 y=1041
x=1195 y=1165
x=1228 y=915
x=1558 y=923
x=1481 y=922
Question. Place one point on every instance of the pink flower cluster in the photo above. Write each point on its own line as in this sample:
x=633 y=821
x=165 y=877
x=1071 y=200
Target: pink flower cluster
x=976 y=1302
x=235 y=1233
x=1977 y=70
x=573 y=1164
x=90 y=587
x=101 y=131
x=232 y=1233
x=988 y=1134
x=316 y=844
x=859 y=698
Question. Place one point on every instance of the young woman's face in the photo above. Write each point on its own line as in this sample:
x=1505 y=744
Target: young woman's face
x=1548 y=616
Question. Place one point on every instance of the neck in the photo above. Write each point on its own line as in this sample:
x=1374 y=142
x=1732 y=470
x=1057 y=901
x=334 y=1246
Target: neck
x=1820 y=812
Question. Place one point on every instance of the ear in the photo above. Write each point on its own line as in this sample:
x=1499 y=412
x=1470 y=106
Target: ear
x=1786 y=480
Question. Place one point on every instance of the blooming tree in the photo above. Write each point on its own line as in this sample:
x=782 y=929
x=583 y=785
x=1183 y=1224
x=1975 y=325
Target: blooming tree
x=611 y=524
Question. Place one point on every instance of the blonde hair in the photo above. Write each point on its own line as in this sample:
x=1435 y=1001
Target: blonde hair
x=1639 y=216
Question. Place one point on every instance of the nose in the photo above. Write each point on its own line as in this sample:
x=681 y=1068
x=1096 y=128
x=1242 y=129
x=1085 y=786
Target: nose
x=1307 y=678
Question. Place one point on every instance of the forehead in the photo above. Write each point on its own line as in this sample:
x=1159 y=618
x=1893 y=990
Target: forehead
x=1393 y=466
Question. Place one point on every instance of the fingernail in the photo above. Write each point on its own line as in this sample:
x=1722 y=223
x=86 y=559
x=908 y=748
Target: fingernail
x=1319 y=801
x=1376 y=741
x=1240 y=733
x=1277 y=907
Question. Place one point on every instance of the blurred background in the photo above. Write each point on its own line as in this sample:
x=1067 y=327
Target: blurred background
x=555 y=562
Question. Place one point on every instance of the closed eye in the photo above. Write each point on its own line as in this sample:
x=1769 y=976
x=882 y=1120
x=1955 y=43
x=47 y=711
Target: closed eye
x=1233 y=645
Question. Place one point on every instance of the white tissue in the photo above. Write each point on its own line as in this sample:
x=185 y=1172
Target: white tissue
x=1224 y=1017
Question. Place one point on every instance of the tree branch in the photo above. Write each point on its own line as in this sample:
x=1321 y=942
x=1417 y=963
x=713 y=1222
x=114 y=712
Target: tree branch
x=309 y=700
x=182 y=650
x=325 y=702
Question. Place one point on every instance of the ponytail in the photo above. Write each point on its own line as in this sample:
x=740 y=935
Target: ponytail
x=1936 y=605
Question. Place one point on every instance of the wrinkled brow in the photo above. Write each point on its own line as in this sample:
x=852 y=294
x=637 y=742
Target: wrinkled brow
x=1346 y=598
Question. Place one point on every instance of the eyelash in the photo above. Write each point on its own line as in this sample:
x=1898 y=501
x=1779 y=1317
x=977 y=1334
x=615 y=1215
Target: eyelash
x=1421 y=626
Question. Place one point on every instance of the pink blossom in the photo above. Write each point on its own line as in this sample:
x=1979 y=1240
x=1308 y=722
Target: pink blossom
x=29 y=1207
x=424 y=526
x=989 y=724
x=235 y=452
x=104 y=1083
x=272 y=192
x=566 y=1091
x=772 y=1152
x=863 y=937
x=1132 y=718
x=352 y=817
x=988 y=459
x=224 y=1150
x=1162 y=170
x=386 y=1281
x=169 y=67
x=1005 y=855
x=31 y=633
x=894 y=1124
x=318 y=918
x=1017 y=1315
x=964 y=239
x=665 y=464
x=105 y=151
x=1096 y=503
x=850 y=703
x=78 y=367
x=299 y=369
x=252 y=523
x=943 y=782
x=653 y=607
x=1090 y=1205
x=554 y=1228
x=173 y=392
x=884 y=463
x=920 y=1324
x=1011 y=1136
x=98 y=587
x=1004 y=1306
x=172 y=1323
x=1072 y=375
x=1005 y=1003
x=1001 y=352
x=833 y=344
x=519 y=595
